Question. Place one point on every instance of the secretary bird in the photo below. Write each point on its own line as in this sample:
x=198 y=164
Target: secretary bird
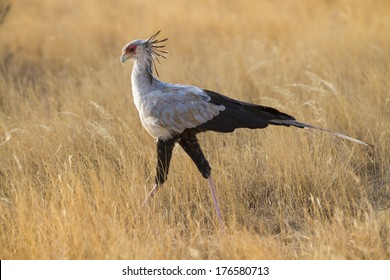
x=177 y=113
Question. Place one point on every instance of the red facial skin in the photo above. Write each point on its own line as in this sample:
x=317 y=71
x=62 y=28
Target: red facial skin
x=131 y=49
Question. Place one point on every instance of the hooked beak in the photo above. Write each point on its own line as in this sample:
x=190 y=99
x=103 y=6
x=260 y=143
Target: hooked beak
x=124 y=58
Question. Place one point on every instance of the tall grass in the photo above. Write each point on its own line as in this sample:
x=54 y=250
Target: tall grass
x=75 y=162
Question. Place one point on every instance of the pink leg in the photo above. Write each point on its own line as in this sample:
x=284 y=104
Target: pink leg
x=150 y=195
x=212 y=190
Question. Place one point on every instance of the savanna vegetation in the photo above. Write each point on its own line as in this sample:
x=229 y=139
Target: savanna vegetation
x=75 y=162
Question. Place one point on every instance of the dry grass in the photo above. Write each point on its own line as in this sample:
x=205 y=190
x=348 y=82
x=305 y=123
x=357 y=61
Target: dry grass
x=76 y=163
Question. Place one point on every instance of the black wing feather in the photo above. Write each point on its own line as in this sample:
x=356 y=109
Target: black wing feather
x=239 y=114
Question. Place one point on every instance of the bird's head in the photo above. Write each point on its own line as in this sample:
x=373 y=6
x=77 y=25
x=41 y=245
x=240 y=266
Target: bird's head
x=148 y=49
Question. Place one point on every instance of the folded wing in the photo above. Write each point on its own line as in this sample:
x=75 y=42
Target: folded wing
x=238 y=114
x=184 y=108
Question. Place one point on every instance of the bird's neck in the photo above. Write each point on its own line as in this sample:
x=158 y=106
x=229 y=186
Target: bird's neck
x=142 y=77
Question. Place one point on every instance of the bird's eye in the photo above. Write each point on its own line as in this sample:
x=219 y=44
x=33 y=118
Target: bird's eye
x=132 y=49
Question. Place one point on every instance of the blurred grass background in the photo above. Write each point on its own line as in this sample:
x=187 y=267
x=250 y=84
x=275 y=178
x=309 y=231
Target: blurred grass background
x=75 y=162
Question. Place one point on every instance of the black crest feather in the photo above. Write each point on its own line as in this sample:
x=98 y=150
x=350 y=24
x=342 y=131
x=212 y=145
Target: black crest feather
x=154 y=47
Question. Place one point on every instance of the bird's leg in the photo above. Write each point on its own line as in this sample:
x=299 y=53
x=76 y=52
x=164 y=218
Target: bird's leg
x=149 y=196
x=190 y=144
x=164 y=155
x=214 y=196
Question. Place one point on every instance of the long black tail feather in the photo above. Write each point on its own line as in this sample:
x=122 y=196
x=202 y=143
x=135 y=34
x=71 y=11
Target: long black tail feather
x=238 y=114
x=317 y=128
